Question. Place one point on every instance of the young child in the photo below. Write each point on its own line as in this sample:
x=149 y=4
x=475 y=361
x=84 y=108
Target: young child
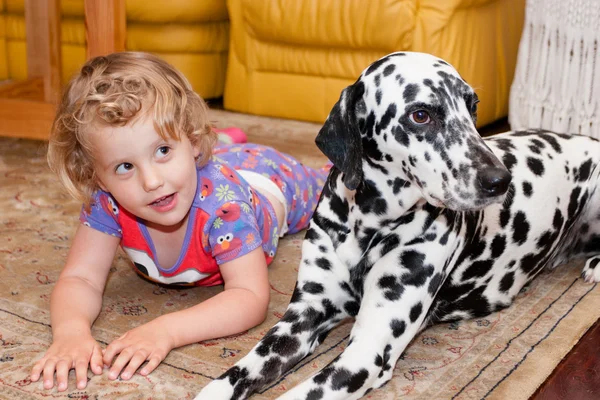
x=131 y=140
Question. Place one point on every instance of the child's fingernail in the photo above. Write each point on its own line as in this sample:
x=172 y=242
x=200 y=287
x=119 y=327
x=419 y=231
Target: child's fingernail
x=62 y=386
x=143 y=372
x=112 y=375
x=81 y=385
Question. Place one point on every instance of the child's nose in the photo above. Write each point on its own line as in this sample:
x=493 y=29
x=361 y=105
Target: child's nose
x=152 y=179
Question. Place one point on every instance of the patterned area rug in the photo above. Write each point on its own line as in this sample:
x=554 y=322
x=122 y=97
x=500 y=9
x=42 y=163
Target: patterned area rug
x=504 y=356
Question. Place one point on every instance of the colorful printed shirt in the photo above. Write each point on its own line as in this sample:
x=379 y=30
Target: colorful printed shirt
x=227 y=220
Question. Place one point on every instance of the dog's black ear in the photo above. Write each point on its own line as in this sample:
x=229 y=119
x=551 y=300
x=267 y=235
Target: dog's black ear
x=339 y=138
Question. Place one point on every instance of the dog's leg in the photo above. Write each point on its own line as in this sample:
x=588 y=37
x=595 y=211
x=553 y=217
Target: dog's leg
x=392 y=311
x=321 y=299
x=591 y=241
x=591 y=270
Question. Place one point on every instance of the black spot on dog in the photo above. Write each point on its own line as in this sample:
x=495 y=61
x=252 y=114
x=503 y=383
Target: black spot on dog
x=398 y=327
x=552 y=141
x=352 y=308
x=271 y=367
x=478 y=269
x=343 y=378
x=410 y=92
x=315 y=394
x=507 y=281
x=417 y=272
x=584 y=171
x=520 y=228
x=387 y=71
x=434 y=284
x=498 y=245
x=312 y=235
x=390 y=243
x=527 y=189
x=375 y=66
x=323 y=263
x=415 y=312
x=509 y=161
x=313 y=287
x=387 y=117
x=535 y=165
x=391 y=288
x=574 y=202
x=325 y=373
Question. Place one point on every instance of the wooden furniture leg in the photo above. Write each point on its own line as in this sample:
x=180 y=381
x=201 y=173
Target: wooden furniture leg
x=105 y=26
x=27 y=107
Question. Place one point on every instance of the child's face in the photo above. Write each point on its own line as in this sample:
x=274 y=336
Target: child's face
x=151 y=178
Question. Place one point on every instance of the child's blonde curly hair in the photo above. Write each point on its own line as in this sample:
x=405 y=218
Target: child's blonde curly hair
x=116 y=90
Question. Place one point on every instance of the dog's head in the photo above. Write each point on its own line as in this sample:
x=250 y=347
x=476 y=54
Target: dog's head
x=411 y=115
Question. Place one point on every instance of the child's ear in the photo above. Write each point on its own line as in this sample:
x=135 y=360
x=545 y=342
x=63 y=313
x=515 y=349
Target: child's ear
x=102 y=185
x=197 y=150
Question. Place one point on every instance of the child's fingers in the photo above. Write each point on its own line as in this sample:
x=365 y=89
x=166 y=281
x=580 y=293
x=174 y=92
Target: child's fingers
x=96 y=362
x=36 y=371
x=112 y=350
x=81 y=368
x=120 y=362
x=62 y=375
x=138 y=358
x=151 y=366
x=48 y=373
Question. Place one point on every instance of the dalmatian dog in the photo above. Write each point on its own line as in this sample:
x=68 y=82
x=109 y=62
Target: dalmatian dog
x=421 y=221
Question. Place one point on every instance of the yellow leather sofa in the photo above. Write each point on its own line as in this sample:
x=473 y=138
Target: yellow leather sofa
x=193 y=35
x=291 y=58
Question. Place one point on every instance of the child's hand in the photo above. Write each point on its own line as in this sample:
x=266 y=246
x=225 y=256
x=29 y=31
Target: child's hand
x=67 y=353
x=149 y=342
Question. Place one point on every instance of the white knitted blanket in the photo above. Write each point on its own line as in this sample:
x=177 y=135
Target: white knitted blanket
x=557 y=78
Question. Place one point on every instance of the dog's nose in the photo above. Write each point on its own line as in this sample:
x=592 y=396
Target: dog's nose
x=494 y=181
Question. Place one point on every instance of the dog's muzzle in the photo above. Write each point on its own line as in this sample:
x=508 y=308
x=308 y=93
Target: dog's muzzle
x=493 y=181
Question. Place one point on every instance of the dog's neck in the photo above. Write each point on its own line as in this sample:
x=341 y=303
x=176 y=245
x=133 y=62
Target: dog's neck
x=371 y=206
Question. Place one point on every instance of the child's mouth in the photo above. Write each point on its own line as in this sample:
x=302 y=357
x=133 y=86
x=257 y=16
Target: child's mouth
x=164 y=203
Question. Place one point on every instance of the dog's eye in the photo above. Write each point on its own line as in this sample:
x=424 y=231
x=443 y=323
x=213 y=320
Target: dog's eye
x=420 y=117
x=474 y=107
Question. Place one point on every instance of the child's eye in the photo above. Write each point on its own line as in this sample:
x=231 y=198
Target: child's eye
x=123 y=168
x=163 y=151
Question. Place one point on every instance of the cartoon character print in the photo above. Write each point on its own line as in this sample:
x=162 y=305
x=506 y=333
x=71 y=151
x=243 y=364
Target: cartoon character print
x=103 y=215
x=229 y=174
x=287 y=171
x=227 y=247
x=206 y=188
x=229 y=212
x=278 y=181
x=108 y=205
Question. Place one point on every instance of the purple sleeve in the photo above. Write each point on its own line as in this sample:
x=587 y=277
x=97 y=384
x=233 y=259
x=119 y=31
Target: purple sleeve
x=103 y=214
x=234 y=232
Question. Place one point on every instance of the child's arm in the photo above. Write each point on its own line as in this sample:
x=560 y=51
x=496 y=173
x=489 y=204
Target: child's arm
x=242 y=305
x=74 y=305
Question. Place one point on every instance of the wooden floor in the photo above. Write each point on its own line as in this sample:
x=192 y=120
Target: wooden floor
x=577 y=377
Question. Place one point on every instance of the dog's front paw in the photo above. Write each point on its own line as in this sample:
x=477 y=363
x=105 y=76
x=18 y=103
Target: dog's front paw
x=219 y=389
x=591 y=271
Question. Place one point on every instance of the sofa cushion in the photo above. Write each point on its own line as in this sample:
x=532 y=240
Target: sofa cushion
x=147 y=11
x=291 y=58
x=192 y=35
